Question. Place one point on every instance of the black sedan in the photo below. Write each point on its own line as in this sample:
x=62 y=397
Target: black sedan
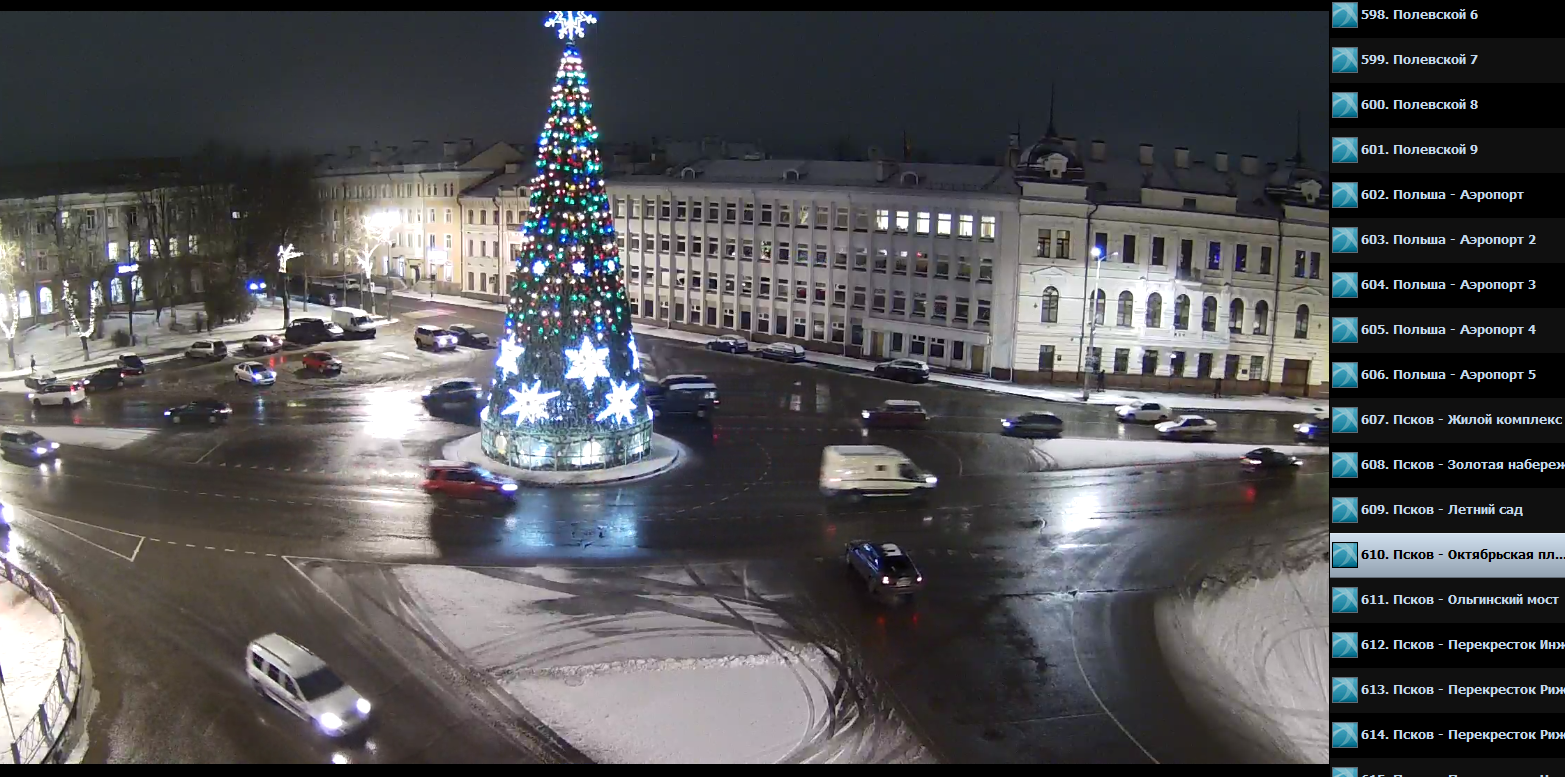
x=1269 y=460
x=132 y=368
x=729 y=344
x=1032 y=425
x=456 y=395
x=905 y=370
x=207 y=411
x=106 y=379
x=469 y=337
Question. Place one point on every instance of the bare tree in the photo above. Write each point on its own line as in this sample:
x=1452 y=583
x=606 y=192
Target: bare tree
x=163 y=210
x=13 y=274
x=80 y=264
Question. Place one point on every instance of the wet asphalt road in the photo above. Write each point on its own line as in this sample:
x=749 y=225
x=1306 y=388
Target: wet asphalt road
x=1031 y=644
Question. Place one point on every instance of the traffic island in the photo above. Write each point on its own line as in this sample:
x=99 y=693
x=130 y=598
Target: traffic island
x=665 y=455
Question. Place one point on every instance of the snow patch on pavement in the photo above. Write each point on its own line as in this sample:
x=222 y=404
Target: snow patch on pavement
x=1248 y=645
x=103 y=437
x=632 y=677
x=31 y=643
x=1077 y=453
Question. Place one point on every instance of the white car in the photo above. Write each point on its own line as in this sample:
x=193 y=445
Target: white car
x=1187 y=427
x=59 y=394
x=1143 y=412
x=299 y=681
x=254 y=373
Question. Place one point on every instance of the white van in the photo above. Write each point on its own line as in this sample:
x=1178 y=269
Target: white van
x=355 y=323
x=856 y=471
x=288 y=673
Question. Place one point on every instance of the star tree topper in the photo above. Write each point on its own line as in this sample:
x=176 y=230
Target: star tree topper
x=510 y=356
x=588 y=363
x=530 y=404
x=570 y=24
x=621 y=402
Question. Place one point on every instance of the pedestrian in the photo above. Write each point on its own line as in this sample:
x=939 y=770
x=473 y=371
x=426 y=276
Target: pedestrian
x=1102 y=380
x=1217 y=390
x=32 y=364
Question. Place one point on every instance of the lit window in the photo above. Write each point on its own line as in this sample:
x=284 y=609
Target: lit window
x=987 y=228
x=902 y=220
x=882 y=220
x=964 y=226
x=943 y=225
x=922 y=226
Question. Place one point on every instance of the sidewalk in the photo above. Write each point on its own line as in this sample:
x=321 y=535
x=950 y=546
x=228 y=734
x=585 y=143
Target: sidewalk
x=32 y=643
x=1047 y=393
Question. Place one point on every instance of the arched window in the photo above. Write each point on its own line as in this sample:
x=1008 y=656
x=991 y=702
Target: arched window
x=1154 y=311
x=45 y=300
x=910 y=178
x=510 y=217
x=791 y=175
x=1301 y=322
x=1209 y=314
x=24 y=304
x=1099 y=302
x=1262 y=317
x=1051 y=306
x=687 y=174
x=1127 y=307
x=1182 y=312
x=1236 y=316
x=117 y=291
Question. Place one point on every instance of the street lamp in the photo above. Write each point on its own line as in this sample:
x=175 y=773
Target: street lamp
x=284 y=253
x=1090 y=364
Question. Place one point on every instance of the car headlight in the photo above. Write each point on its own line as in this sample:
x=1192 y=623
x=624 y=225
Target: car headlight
x=508 y=487
x=168 y=412
x=884 y=580
x=363 y=706
x=54 y=445
x=931 y=480
x=1005 y=422
x=864 y=413
x=32 y=396
x=330 y=722
x=40 y=450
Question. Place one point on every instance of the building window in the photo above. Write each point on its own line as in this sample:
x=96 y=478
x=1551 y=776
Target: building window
x=448 y=216
x=800 y=327
x=987 y=228
x=943 y=267
x=1262 y=317
x=1266 y=260
x=903 y=218
x=1203 y=365
x=880 y=301
x=1045 y=358
x=920 y=304
x=838 y=330
x=1127 y=250
x=858 y=297
x=730 y=212
x=959 y=315
x=1121 y=361
x=898 y=301
x=695 y=215
x=861 y=219
x=1241 y=257
x=964 y=268
x=942 y=302
x=964 y=227
x=921 y=226
x=842 y=220
x=619 y=207
x=664 y=243
x=881 y=260
x=1050 y=306
x=1182 y=312
x=943 y=224
x=1127 y=308
x=1236 y=317
x=471 y=216
x=765 y=291
x=1044 y=236
x=782 y=326
x=1149 y=362
x=748 y=250
x=747 y=286
x=784 y=215
x=1100 y=245
x=896 y=342
x=766 y=250
x=448 y=241
x=1176 y=364
x=663 y=210
x=937 y=348
x=985 y=270
x=680 y=211
x=1257 y=367
x=1209 y=314
x=820 y=256
x=766 y=214
x=917 y=346
x=1062 y=244
x=983 y=313
x=784 y=251
x=763 y=321
x=839 y=295
x=1315 y=265
x=840 y=260
x=860 y=258
x=882 y=220
x=728 y=282
x=1099 y=302
x=900 y=268
x=1159 y=245
x=1301 y=322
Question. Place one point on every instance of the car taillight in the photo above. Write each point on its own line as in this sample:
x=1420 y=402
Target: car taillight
x=885 y=580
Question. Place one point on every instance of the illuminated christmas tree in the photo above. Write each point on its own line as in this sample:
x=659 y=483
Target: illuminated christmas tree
x=567 y=388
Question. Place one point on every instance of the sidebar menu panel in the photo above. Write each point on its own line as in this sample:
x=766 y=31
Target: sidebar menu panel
x=1447 y=550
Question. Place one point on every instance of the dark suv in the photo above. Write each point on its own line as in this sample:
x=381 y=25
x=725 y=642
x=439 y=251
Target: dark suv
x=458 y=395
x=692 y=399
x=309 y=331
x=885 y=568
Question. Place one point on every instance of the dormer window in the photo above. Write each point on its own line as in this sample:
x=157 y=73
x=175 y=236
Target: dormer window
x=791 y=176
x=688 y=174
x=1310 y=188
x=1054 y=165
x=910 y=178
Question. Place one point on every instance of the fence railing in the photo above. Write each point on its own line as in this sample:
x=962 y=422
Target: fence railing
x=39 y=739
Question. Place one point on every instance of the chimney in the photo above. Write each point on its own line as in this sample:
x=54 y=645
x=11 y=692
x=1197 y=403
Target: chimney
x=1070 y=144
x=466 y=145
x=513 y=167
x=353 y=151
x=882 y=170
x=1182 y=158
x=448 y=149
x=1012 y=157
x=1249 y=164
x=1146 y=153
x=1220 y=161
x=1100 y=151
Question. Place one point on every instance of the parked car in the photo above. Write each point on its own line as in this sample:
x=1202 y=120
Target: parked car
x=905 y=370
x=132 y=369
x=322 y=363
x=208 y=411
x=895 y=414
x=466 y=480
x=468 y=336
x=1143 y=412
x=310 y=331
x=1317 y=429
x=27 y=444
x=1269 y=460
x=1032 y=425
x=260 y=345
x=857 y=471
x=884 y=567
x=434 y=338
x=692 y=399
x=105 y=379
x=729 y=344
x=299 y=681
x=457 y=394
x=214 y=350
x=1187 y=427
x=255 y=374
x=783 y=352
x=356 y=324
x=59 y=394
x=39 y=378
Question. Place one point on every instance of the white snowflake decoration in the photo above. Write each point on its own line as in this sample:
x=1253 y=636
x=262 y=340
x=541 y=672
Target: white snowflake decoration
x=580 y=268
x=538 y=267
x=635 y=355
x=588 y=363
x=571 y=24
x=510 y=358
x=530 y=404
x=621 y=402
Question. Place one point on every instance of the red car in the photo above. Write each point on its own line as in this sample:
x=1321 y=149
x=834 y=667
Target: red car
x=322 y=362
x=465 y=480
x=895 y=414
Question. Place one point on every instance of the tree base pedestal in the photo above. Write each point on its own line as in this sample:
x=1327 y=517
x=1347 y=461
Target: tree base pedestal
x=666 y=454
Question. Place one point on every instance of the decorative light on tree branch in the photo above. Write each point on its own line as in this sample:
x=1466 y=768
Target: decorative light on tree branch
x=285 y=253
x=568 y=315
x=69 y=298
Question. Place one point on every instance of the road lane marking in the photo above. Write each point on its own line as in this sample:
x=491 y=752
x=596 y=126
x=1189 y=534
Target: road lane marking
x=49 y=519
x=210 y=451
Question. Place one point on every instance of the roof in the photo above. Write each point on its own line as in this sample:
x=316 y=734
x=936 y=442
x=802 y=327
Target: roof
x=863 y=450
x=890 y=549
x=421 y=154
x=98 y=177
x=296 y=657
x=500 y=185
x=927 y=177
x=902 y=403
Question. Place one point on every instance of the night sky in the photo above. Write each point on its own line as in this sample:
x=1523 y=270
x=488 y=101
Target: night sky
x=97 y=85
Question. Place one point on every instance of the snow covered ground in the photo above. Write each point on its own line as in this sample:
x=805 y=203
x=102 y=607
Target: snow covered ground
x=58 y=350
x=31 y=641
x=102 y=437
x=1049 y=393
x=648 y=666
x=1075 y=453
x=1249 y=648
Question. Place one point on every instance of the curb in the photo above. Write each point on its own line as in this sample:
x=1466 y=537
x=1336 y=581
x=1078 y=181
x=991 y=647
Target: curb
x=69 y=677
x=525 y=477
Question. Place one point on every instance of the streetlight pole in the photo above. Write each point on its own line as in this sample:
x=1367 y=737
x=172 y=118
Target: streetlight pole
x=1090 y=364
x=284 y=253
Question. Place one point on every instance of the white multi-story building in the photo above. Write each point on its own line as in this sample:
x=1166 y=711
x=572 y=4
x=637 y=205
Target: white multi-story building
x=864 y=258
x=493 y=214
x=1210 y=271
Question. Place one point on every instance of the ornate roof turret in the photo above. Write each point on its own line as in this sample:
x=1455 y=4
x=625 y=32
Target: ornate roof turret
x=1051 y=159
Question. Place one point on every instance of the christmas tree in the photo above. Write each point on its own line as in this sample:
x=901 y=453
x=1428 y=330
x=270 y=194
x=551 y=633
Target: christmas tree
x=567 y=388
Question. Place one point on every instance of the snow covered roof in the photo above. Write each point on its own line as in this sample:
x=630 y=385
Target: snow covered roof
x=504 y=184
